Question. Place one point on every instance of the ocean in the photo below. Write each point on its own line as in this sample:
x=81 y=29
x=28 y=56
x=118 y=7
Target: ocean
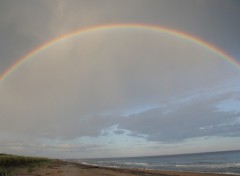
x=227 y=162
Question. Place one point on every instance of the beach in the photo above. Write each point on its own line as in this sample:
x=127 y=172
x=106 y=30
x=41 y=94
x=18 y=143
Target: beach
x=63 y=168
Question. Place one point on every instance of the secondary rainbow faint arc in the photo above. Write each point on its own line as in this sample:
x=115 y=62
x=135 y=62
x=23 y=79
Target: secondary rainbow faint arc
x=82 y=31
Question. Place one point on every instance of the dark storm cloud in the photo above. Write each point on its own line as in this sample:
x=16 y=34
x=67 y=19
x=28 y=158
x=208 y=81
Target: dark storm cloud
x=27 y=24
x=24 y=25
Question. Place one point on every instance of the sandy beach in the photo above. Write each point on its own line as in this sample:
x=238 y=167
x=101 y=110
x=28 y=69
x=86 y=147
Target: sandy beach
x=62 y=168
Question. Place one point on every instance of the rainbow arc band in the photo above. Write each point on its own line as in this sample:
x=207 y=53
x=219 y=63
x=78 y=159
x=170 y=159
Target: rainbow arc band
x=83 y=31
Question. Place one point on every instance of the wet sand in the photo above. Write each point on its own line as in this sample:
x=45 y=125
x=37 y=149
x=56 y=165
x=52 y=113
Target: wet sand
x=62 y=168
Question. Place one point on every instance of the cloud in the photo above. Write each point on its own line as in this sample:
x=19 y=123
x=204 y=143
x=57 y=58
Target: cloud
x=197 y=118
x=230 y=105
x=23 y=27
x=131 y=84
x=66 y=90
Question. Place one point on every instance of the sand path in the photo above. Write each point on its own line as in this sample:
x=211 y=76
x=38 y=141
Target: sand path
x=67 y=169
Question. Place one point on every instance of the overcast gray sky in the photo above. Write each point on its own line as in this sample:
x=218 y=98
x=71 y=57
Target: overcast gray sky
x=121 y=92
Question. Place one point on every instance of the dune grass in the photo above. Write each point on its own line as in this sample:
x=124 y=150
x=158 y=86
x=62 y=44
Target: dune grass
x=8 y=162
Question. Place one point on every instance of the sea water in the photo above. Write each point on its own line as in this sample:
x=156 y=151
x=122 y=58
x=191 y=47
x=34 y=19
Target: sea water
x=227 y=162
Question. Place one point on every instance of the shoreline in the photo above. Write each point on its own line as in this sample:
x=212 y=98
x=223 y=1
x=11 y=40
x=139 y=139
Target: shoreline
x=148 y=169
x=156 y=170
x=69 y=168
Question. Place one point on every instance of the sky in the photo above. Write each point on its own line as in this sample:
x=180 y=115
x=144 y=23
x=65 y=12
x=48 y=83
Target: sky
x=119 y=92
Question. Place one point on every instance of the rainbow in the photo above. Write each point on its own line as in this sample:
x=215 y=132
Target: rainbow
x=83 y=31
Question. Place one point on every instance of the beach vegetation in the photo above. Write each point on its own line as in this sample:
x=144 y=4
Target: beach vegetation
x=8 y=162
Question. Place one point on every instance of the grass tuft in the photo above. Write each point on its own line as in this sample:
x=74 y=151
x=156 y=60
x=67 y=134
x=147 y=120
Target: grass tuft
x=13 y=161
